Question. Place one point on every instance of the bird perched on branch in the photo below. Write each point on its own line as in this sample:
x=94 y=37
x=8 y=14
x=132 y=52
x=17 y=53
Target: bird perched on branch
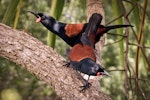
x=82 y=55
x=71 y=33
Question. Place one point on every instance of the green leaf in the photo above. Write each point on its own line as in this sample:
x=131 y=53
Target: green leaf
x=10 y=12
x=56 y=10
x=17 y=14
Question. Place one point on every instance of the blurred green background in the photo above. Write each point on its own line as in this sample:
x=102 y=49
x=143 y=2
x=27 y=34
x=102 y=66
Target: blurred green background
x=123 y=59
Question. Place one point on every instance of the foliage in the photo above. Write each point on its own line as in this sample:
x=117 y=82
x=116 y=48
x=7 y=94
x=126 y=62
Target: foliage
x=10 y=12
x=131 y=13
x=56 y=10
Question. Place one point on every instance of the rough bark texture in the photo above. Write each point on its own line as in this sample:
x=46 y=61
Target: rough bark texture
x=46 y=64
x=96 y=6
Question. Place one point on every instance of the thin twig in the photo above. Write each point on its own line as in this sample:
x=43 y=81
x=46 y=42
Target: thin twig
x=129 y=12
x=114 y=20
x=138 y=45
x=114 y=42
x=140 y=39
x=116 y=70
x=116 y=34
x=126 y=85
x=136 y=37
x=136 y=81
x=139 y=5
x=128 y=66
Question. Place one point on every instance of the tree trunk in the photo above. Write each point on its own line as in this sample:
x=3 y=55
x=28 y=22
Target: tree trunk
x=96 y=6
x=46 y=64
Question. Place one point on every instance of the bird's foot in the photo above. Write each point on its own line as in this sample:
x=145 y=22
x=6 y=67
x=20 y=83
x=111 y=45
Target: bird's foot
x=67 y=64
x=84 y=87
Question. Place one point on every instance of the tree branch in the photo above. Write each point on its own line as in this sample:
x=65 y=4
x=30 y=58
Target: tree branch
x=46 y=64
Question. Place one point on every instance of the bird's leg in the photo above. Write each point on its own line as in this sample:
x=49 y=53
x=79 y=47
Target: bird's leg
x=86 y=85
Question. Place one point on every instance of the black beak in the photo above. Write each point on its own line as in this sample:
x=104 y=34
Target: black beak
x=106 y=73
x=34 y=13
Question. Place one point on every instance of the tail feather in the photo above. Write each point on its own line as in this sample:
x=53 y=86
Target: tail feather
x=117 y=26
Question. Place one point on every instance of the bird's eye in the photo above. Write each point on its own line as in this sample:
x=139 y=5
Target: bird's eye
x=43 y=17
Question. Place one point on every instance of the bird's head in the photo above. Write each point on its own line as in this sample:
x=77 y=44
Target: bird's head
x=100 y=70
x=43 y=18
x=90 y=67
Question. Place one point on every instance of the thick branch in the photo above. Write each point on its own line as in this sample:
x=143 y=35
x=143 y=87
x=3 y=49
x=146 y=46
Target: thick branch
x=46 y=64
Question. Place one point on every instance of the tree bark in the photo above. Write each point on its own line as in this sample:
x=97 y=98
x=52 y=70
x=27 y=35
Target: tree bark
x=96 y=6
x=45 y=63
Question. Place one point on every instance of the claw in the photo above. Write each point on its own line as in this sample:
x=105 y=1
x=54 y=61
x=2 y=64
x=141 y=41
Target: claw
x=84 y=87
x=67 y=64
